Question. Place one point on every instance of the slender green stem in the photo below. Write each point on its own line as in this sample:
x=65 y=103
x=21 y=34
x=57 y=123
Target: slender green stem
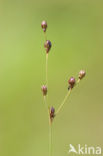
x=50 y=134
x=45 y=36
x=47 y=70
x=62 y=104
x=78 y=81
x=48 y=110
x=50 y=127
x=50 y=139
x=46 y=106
x=65 y=98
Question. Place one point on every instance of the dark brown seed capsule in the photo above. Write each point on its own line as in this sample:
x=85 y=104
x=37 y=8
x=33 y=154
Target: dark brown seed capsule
x=44 y=25
x=47 y=45
x=52 y=113
x=82 y=73
x=44 y=90
x=71 y=82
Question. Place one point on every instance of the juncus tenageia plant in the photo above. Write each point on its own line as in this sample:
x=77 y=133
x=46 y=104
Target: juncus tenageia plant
x=72 y=83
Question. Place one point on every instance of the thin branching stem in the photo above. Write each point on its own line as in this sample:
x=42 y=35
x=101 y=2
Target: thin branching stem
x=45 y=36
x=78 y=81
x=50 y=139
x=46 y=106
x=50 y=134
x=63 y=102
x=50 y=127
x=47 y=69
x=65 y=98
x=48 y=109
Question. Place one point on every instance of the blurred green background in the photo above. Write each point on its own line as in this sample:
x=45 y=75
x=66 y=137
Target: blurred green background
x=75 y=28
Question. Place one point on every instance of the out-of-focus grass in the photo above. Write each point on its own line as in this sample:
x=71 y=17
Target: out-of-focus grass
x=75 y=29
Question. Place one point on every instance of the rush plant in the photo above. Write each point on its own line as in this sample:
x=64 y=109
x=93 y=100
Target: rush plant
x=52 y=113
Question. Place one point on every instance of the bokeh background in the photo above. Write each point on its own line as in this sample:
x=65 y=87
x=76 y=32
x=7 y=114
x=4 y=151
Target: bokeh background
x=75 y=28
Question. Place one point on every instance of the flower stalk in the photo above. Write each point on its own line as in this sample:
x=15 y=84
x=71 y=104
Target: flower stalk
x=47 y=69
x=72 y=83
x=62 y=104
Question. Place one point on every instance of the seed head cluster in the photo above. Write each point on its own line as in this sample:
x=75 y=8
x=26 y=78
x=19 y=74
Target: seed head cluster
x=72 y=81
